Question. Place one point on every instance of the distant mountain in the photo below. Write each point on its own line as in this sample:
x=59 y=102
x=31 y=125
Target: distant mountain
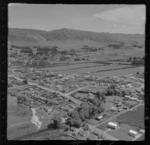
x=62 y=36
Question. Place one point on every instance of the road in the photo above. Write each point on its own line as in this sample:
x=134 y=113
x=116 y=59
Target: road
x=66 y=95
x=62 y=94
x=119 y=114
x=78 y=102
x=138 y=136
x=78 y=89
x=69 y=76
x=105 y=134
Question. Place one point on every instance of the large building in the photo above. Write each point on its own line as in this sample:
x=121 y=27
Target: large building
x=113 y=125
x=133 y=133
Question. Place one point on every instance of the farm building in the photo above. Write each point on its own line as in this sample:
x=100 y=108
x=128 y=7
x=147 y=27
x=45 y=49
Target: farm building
x=142 y=131
x=133 y=133
x=113 y=125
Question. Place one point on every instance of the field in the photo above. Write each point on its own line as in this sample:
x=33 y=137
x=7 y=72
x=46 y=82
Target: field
x=98 y=69
x=17 y=113
x=21 y=130
x=18 y=120
x=122 y=132
x=134 y=118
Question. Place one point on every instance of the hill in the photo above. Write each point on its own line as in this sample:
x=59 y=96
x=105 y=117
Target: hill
x=67 y=37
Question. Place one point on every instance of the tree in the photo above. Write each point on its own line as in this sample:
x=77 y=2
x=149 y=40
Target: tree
x=93 y=111
x=64 y=52
x=85 y=127
x=56 y=122
x=25 y=81
x=54 y=50
x=112 y=86
x=21 y=99
x=84 y=112
x=77 y=123
x=72 y=52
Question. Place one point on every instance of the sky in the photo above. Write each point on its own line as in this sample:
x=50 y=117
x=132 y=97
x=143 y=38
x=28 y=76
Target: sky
x=129 y=19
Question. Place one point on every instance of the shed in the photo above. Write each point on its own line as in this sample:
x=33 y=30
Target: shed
x=133 y=133
x=113 y=125
x=99 y=117
x=142 y=131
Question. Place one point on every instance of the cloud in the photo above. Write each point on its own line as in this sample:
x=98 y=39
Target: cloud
x=126 y=16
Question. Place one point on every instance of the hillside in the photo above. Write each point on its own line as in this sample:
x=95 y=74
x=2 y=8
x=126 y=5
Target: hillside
x=67 y=37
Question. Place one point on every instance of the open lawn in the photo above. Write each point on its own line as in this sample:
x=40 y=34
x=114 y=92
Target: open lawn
x=133 y=118
x=21 y=130
x=16 y=113
x=122 y=132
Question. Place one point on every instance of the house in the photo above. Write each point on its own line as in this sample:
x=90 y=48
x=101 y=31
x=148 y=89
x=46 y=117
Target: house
x=125 y=107
x=119 y=104
x=91 y=96
x=127 y=96
x=63 y=119
x=129 y=85
x=113 y=108
x=113 y=125
x=99 y=117
x=133 y=133
x=60 y=75
x=119 y=109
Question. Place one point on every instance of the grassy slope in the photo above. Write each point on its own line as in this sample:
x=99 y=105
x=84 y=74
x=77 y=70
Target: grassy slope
x=67 y=38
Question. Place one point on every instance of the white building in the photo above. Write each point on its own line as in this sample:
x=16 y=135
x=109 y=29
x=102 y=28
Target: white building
x=99 y=117
x=113 y=108
x=113 y=125
x=128 y=96
x=63 y=119
x=133 y=133
x=142 y=131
